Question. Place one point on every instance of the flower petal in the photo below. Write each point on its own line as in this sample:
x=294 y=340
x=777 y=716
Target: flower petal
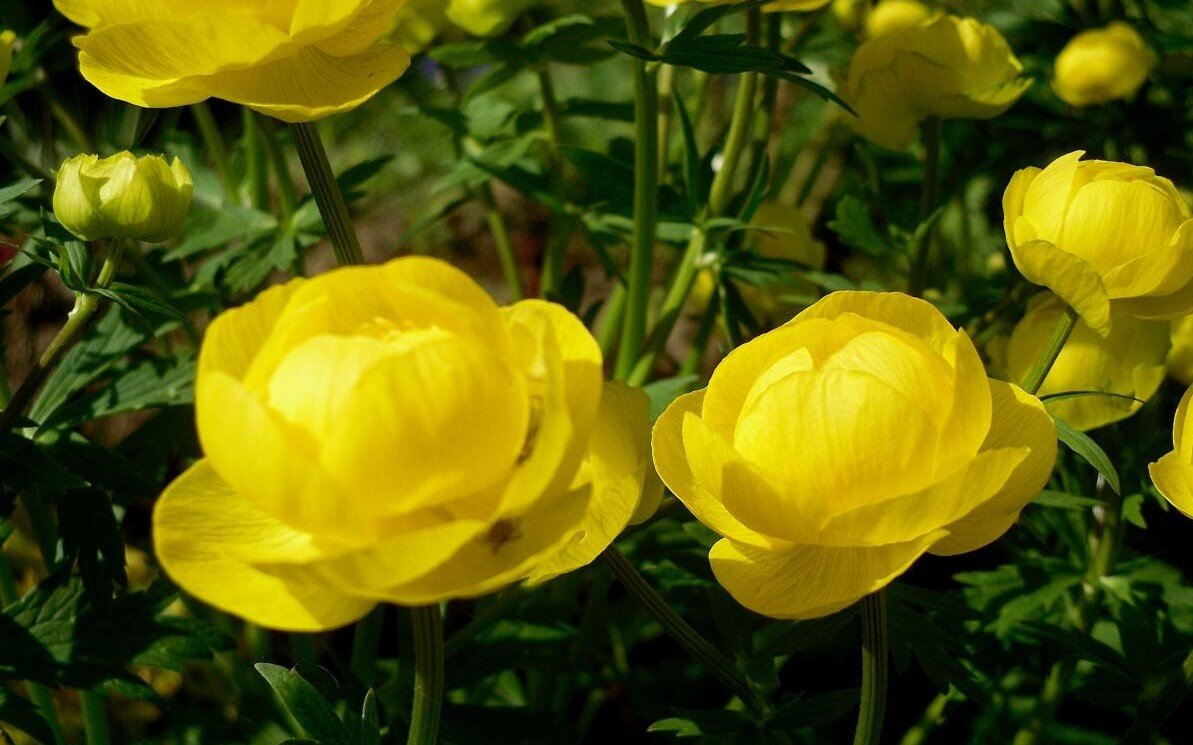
x=1174 y=480
x=810 y=581
x=1070 y=277
x=199 y=523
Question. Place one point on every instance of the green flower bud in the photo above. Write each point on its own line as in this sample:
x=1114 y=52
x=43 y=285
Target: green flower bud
x=144 y=199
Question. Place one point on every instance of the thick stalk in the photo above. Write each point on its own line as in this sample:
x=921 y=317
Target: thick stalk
x=875 y=660
x=217 y=149
x=740 y=128
x=95 y=719
x=610 y=325
x=86 y=305
x=366 y=637
x=646 y=187
x=930 y=131
x=254 y=156
x=682 y=632
x=328 y=196
x=427 y=624
x=1105 y=534
x=1043 y=365
x=673 y=304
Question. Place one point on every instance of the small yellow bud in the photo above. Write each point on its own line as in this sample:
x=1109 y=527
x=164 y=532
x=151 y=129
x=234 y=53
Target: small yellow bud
x=1101 y=65
x=7 y=39
x=123 y=196
x=895 y=15
x=850 y=14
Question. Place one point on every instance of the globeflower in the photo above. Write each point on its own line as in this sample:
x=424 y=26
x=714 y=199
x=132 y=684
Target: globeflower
x=1114 y=374
x=1102 y=64
x=388 y=434
x=889 y=16
x=832 y=452
x=1173 y=473
x=951 y=68
x=123 y=197
x=1102 y=235
x=293 y=60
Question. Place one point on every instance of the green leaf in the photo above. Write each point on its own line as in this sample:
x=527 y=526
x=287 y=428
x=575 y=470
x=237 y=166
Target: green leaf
x=1089 y=450
x=814 y=711
x=1063 y=500
x=313 y=714
x=702 y=723
x=663 y=392
x=854 y=226
x=148 y=384
x=23 y=715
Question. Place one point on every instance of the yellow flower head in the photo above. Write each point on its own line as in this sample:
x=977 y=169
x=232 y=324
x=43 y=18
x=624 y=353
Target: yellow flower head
x=1180 y=357
x=144 y=199
x=831 y=453
x=486 y=17
x=297 y=60
x=1173 y=473
x=890 y=16
x=7 y=39
x=1129 y=363
x=1103 y=64
x=952 y=68
x=1102 y=234
x=419 y=22
x=387 y=433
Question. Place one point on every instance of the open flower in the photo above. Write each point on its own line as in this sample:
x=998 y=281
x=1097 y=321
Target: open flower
x=1101 y=234
x=951 y=68
x=1102 y=64
x=123 y=196
x=296 y=60
x=388 y=433
x=832 y=452
x=1173 y=474
x=1114 y=374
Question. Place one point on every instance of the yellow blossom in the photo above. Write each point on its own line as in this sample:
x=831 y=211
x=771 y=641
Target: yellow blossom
x=144 y=199
x=1102 y=64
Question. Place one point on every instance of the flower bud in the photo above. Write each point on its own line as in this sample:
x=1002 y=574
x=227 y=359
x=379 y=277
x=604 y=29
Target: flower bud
x=144 y=199
x=1102 y=235
x=486 y=17
x=7 y=38
x=890 y=16
x=1101 y=65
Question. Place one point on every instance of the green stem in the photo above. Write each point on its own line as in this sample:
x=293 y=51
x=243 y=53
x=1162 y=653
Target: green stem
x=427 y=624
x=95 y=719
x=506 y=255
x=708 y=322
x=1105 y=534
x=666 y=112
x=646 y=187
x=875 y=660
x=287 y=193
x=673 y=304
x=764 y=116
x=38 y=693
x=930 y=131
x=560 y=234
x=683 y=633
x=612 y=321
x=217 y=150
x=1043 y=365
x=931 y=719
x=86 y=305
x=328 y=196
x=740 y=128
x=364 y=646
x=254 y=153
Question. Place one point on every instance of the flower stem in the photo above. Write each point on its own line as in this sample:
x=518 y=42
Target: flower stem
x=1043 y=365
x=254 y=150
x=427 y=623
x=506 y=256
x=646 y=187
x=740 y=127
x=328 y=196
x=930 y=132
x=85 y=308
x=287 y=194
x=217 y=149
x=875 y=659
x=95 y=719
x=681 y=631
x=364 y=646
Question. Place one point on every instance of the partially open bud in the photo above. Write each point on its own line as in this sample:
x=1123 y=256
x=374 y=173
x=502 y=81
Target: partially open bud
x=144 y=199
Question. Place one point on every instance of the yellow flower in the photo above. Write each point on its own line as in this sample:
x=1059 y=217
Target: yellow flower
x=781 y=232
x=144 y=199
x=1103 y=64
x=7 y=39
x=388 y=433
x=831 y=453
x=850 y=14
x=419 y=22
x=1130 y=361
x=776 y=6
x=486 y=17
x=297 y=60
x=1101 y=234
x=1173 y=473
x=952 y=68
x=1180 y=357
x=890 y=16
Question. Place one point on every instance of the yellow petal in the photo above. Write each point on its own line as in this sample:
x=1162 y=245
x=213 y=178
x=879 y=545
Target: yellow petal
x=1110 y=222
x=235 y=337
x=1047 y=196
x=1160 y=272
x=1182 y=439
x=1019 y=421
x=619 y=466
x=272 y=463
x=431 y=423
x=375 y=19
x=199 y=523
x=1070 y=277
x=1173 y=478
x=810 y=581
x=318 y=20
x=675 y=467
x=917 y=317
x=1013 y=200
